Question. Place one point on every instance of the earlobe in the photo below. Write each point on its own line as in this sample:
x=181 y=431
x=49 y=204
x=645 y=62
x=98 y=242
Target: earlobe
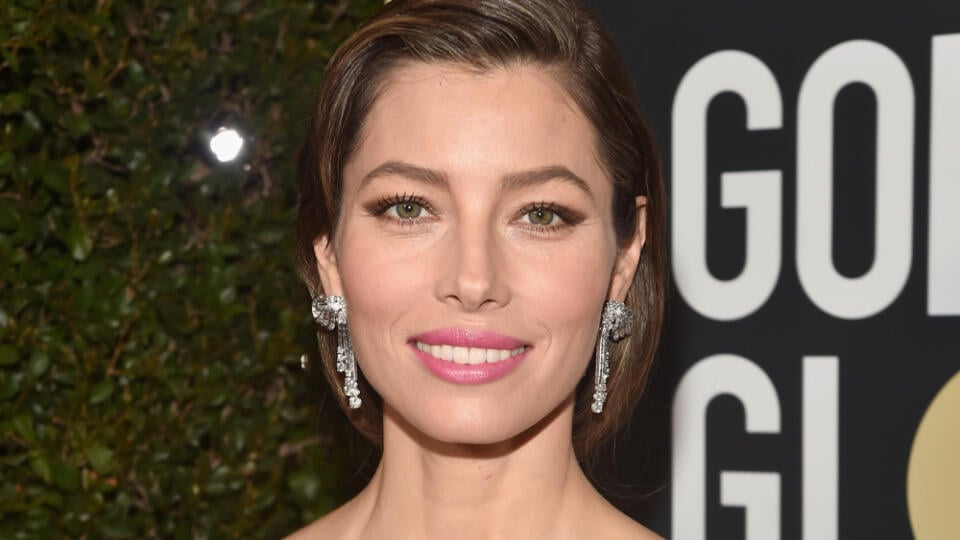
x=327 y=266
x=628 y=256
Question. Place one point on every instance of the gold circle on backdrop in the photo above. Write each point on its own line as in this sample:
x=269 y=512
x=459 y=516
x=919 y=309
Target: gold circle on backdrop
x=933 y=475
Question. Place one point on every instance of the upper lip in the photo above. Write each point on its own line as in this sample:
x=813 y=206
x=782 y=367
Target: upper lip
x=466 y=337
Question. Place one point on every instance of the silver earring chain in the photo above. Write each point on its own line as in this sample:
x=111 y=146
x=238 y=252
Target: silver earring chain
x=331 y=313
x=616 y=323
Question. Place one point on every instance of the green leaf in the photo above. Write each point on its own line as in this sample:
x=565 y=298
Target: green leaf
x=39 y=362
x=231 y=7
x=9 y=384
x=65 y=475
x=41 y=467
x=30 y=118
x=100 y=458
x=76 y=124
x=23 y=426
x=271 y=236
x=304 y=485
x=101 y=391
x=6 y=161
x=117 y=531
x=12 y=103
x=8 y=355
x=137 y=72
x=78 y=241
x=55 y=179
x=228 y=296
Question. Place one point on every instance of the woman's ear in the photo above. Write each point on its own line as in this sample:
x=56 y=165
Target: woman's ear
x=327 y=266
x=628 y=256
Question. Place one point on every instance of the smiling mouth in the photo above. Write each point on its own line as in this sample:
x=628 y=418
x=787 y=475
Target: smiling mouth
x=469 y=355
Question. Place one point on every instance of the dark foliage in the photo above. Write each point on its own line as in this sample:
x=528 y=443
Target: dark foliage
x=150 y=322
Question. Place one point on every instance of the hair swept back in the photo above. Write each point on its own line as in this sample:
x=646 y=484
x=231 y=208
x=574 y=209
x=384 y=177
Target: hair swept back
x=559 y=36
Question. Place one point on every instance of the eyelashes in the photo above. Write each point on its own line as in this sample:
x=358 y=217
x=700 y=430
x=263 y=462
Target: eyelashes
x=545 y=215
x=407 y=210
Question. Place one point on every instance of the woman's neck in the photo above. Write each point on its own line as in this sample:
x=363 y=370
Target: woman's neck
x=528 y=487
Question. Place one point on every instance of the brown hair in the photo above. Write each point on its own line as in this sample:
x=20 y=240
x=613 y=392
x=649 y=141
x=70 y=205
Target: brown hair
x=560 y=36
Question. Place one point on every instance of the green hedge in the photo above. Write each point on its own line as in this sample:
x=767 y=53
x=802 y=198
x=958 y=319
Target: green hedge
x=150 y=321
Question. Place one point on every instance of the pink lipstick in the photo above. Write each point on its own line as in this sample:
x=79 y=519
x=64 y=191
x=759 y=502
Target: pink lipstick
x=465 y=356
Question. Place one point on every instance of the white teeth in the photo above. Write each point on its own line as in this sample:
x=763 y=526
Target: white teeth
x=477 y=356
x=468 y=355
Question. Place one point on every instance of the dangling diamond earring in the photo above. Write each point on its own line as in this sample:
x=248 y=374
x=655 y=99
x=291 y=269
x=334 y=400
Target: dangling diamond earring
x=331 y=312
x=615 y=324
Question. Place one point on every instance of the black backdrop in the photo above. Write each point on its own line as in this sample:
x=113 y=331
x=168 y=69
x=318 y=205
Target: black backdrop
x=815 y=308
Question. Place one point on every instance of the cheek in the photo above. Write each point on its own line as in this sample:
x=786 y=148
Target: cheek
x=564 y=281
x=380 y=282
x=384 y=283
x=570 y=297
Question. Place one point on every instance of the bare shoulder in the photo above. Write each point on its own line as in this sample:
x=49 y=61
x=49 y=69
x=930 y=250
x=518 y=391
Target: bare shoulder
x=628 y=529
x=340 y=523
x=631 y=530
x=619 y=526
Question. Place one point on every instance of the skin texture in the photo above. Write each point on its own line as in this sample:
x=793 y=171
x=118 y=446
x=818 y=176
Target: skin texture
x=533 y=260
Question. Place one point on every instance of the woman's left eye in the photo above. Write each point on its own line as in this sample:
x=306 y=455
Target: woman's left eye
x=542 y=217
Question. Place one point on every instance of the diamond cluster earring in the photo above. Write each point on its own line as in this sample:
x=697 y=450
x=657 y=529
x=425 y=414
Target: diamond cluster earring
x=616 y=323
x=331 y=312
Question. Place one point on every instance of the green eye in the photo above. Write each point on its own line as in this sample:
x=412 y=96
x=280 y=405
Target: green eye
x=541 y=216
x=408 y=210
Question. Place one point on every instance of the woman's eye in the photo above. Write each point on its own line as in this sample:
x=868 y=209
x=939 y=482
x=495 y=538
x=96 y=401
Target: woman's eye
x=542 y=217
x=401 y=209
x=407 y=210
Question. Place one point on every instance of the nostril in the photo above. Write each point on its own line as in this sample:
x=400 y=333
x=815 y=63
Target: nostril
x=472 y=272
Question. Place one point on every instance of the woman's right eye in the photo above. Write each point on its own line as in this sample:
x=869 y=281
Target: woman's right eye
x=401 y=209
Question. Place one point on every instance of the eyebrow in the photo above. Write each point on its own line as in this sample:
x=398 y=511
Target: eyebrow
x=542 y=175
x=511 y=181
x=406 y=170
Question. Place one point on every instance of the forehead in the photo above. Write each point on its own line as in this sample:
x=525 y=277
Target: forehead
x=462 y=121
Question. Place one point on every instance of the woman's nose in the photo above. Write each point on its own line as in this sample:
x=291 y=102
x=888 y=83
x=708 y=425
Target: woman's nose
x=473 y=268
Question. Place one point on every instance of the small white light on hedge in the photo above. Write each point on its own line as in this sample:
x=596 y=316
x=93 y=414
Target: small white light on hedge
x=226 y=144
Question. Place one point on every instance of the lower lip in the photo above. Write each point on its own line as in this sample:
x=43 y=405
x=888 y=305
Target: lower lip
x=469 y=373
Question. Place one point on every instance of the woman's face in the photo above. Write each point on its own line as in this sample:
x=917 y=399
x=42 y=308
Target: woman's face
x=475 y=249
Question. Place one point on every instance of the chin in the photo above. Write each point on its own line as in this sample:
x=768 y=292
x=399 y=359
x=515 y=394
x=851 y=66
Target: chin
x=473 y=424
